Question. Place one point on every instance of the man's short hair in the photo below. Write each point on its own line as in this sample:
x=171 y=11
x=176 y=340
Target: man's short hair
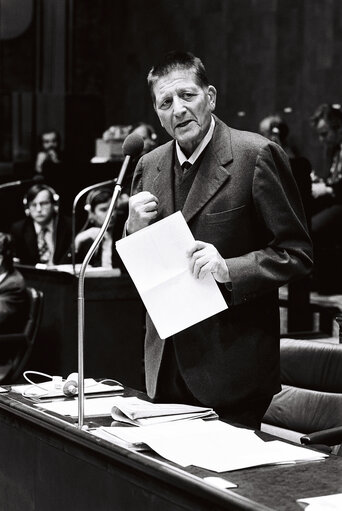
x=32 y=193
x=96 y=197
x=331 y=114
x=6 y=250
x=177 y=60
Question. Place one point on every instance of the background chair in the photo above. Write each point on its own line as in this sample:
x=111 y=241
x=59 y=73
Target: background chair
x=18 y=346
x=311 y=397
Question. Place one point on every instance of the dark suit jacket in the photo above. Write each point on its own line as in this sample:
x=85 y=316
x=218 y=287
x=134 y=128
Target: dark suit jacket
x=245 y=202
x=25 y=241
x=13 y=302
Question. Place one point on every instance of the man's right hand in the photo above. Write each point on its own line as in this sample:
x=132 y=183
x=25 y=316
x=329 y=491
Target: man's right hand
x=143 y=209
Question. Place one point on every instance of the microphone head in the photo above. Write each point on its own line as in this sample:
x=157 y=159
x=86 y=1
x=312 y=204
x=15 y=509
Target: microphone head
x=133 y=145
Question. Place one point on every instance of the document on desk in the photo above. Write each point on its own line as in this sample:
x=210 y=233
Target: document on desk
x=93 y=407
x=325 y=503
x=213 y=445
x=155 y=258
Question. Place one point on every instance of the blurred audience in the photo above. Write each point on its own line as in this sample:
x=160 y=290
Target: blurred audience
x=147 y=133
x=327 y=203
x=13 y=299
x=97 y=205
x=44 y=236
x=327 y=191
x=276 y=129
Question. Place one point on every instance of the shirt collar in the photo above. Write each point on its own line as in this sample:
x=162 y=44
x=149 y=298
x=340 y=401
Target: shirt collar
x=199 y=149
x=48 y=227
x=3 y=276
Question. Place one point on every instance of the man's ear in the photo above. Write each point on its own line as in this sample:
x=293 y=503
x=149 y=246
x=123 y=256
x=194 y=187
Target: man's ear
x=212 y=93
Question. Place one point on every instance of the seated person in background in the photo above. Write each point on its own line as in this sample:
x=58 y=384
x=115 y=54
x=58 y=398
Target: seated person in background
x=148 y=135
x=327 y=191
x=13 y=300
x=51 y=165
x=275 y=128
x=97 y=204
x=49 y=153
x=45 y=235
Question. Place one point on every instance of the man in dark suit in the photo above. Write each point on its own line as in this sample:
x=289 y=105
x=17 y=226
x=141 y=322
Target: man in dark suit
x=13 y=298
x=45 y=235
x=241 y=203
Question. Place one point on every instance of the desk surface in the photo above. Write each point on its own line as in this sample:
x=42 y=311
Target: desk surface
x=48 y=450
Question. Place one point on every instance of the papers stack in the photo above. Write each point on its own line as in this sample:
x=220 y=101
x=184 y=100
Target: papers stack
x=138 y=412
x=213 y=445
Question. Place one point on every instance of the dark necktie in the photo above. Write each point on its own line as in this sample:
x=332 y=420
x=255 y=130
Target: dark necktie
x=186 y=165
x=43 y=247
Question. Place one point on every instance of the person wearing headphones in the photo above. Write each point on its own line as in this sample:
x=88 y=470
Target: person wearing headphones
x=97 y=204
x=13 y=297
x=44 y=236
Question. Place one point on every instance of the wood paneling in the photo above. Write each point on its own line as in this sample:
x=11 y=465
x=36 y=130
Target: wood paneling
x=262 y=55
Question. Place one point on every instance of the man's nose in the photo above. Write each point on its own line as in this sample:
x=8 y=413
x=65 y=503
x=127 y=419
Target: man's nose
x=178 y=106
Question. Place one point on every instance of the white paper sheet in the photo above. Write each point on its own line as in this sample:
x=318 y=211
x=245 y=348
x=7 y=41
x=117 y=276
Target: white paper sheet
x=93 y=407
x=325 y=503
x=213 y=445
x=155 y=258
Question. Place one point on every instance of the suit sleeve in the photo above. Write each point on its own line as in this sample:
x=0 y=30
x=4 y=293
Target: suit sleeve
x=285 y=251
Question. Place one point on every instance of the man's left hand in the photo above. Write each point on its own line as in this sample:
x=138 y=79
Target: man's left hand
x=204 y=258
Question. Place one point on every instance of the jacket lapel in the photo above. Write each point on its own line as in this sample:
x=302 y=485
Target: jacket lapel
x=164 y=182
x=212 y=172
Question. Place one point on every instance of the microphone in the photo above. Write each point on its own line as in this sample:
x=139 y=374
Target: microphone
x=10 y=184
x=132 y=146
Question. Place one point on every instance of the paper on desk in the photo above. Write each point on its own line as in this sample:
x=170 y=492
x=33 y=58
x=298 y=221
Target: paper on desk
x=326 y=503
x=213 y=445
x=93 y=407
x=155 y=258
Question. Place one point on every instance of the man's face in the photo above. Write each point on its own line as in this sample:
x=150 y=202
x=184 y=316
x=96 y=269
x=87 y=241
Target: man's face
x=99 y=214
x=329 y=136
x=41 y=208
x=184 y=107
x=49 y=141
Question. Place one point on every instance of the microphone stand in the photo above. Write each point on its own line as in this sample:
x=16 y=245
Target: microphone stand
x=73 y=215
x=80 y=303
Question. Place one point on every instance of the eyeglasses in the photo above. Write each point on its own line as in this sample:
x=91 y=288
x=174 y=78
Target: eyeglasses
x=42 y=205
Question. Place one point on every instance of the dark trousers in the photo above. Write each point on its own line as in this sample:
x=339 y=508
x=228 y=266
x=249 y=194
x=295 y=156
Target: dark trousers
x=171 y=388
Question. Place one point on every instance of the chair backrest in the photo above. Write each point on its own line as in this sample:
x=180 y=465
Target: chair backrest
x=311 y=396
x=23 y=341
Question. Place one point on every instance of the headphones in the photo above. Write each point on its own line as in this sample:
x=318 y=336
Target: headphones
x=70 y=387
x=36 y=189
x=92 y=196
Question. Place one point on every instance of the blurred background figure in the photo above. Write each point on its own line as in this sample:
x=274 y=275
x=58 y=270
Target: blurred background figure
x=327 y=189
x=44 y=236
x=327 y=203
x=49 y=153
x=13 y=299
x=50 y=163
x=97 y=205
x=147 y=133
x=276 y=129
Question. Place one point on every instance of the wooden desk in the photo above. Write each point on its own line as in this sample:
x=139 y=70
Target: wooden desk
x=114 y=326
x=48 y=464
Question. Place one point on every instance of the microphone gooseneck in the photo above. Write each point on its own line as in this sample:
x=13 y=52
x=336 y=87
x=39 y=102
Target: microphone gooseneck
x=35 y=179
x=132 y=146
